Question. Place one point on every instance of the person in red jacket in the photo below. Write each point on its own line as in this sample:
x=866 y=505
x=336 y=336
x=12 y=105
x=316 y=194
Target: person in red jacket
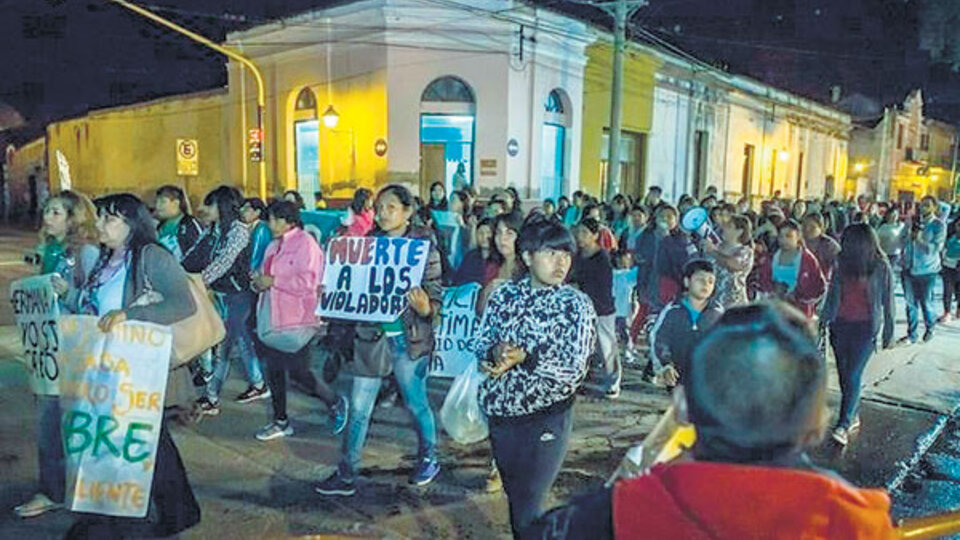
x=792 y=273
x=756 y=395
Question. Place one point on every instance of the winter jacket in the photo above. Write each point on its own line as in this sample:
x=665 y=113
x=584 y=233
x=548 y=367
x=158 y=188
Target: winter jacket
x=674 y=334
x=702 y=500
x=922 y=256
x=810 y=283
x=556 y=327
x=295 y=261
x=880 y=290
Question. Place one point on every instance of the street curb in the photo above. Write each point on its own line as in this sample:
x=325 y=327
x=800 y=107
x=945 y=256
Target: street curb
x=923 y=444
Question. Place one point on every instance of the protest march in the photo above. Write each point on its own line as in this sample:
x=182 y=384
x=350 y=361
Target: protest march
x=136 y=317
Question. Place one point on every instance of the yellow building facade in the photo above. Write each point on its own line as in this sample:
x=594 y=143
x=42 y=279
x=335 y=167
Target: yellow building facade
x=638 y=86
x=134 y=148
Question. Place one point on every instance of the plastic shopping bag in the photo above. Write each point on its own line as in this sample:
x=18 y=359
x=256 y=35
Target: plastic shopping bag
x=460 y=415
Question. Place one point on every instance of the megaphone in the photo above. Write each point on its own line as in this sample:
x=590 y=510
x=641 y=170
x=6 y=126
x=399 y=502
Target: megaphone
x=696 y=221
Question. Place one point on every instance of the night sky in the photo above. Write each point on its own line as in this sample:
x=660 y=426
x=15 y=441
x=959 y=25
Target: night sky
x=63 y=57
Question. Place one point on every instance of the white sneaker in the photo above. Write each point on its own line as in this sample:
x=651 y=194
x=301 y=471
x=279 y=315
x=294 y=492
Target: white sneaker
x=39 y=504
x=274 y=430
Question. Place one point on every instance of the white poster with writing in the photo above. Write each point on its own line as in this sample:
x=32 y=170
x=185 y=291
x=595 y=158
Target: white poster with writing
x=367 y=278
x=112 y=393
x=453 y=337
x=36 y=310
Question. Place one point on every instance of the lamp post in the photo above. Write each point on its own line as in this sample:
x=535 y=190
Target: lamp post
x=261 y=90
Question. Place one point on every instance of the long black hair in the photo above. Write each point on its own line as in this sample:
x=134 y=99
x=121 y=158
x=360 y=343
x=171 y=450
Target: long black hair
x=860 y=251
x=228 y=201
x=171 y=191
x=360 y=198
x=285 y=210
x=136 y=215
x=513 y=222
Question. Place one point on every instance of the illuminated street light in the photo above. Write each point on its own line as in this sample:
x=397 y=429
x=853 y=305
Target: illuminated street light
x=783 y=155
x=859 y=167
x=330 y=117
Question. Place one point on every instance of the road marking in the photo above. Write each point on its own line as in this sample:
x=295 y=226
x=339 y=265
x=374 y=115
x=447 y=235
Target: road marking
x=12 y=263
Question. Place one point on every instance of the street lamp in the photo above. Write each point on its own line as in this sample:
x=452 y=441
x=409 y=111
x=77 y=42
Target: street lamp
x=330 y=117
x=783 y=155
x=261 y=90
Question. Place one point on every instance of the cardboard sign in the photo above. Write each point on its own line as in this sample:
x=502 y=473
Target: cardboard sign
x=36 y=310
x=366 y=278
x=112 y=394
x=453 y=337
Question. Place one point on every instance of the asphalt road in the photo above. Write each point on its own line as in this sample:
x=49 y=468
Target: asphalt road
x=250 y=489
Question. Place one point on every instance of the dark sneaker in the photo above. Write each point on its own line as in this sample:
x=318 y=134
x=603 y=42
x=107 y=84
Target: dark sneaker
x=928 y=335
x=839 y=435
x=427 y=470
x=202 y=377
x=336 y=485
x=388 y=401
x=253 y=393
x=206 y=407
x=275 y=430
x=339 y=414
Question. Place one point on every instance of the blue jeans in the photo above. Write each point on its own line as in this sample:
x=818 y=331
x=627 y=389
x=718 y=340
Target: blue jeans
x=529 y=454
x=238 y=307
x=50 y=448
x=411 y=377
x=853 y=345
x=919 y=293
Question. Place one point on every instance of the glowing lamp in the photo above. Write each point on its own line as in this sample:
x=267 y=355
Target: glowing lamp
x=330 y=117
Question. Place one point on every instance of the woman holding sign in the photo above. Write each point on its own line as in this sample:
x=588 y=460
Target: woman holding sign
x=68 y=251
x=132 y=263
x=402 y=347
x=534 y=341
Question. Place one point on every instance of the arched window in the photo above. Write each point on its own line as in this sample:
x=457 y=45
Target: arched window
x=448 y=89
x=554 y=103
x=306 y=100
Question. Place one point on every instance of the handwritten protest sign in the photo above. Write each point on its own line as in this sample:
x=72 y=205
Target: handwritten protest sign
x=453 y=337
x=112 y=392
x=36 y=310
x=366 y=278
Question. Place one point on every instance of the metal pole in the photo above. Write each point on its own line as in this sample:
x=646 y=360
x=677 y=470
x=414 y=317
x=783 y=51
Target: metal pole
x=953 y=166
x=616 y=99
x=261 y=90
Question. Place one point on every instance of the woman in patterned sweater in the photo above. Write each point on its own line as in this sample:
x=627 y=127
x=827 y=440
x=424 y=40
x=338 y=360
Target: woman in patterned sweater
x=534 y=341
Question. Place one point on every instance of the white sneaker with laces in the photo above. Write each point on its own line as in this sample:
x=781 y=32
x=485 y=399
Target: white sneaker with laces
x=39 y=504
x=273 y=430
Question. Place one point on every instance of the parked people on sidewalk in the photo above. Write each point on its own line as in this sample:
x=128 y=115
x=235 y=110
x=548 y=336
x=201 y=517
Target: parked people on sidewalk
x=683 y=323
x=288 y=282
x=131 y=263
x=756 y=395
x=254 y=215
x=858 y=308
x=592 y=273
x=401 y=347
x=177 y=230
x=792 y=273
x=228 y=274
x=921 y=264
x=534 y=340
x=69 y=249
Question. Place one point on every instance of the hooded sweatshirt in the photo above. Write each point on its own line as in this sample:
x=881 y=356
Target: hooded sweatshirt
x=706 y=500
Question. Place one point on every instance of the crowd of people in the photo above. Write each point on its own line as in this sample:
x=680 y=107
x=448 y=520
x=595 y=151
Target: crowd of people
x=566 y=285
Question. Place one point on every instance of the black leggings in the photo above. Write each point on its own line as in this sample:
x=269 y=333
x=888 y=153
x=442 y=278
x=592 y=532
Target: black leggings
x=951 y=287
x=278 y=364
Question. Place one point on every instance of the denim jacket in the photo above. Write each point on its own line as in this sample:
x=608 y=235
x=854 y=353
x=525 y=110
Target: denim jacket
x=880 y=289
x=923 y=253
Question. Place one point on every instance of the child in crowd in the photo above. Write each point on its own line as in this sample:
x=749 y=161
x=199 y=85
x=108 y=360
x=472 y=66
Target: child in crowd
x=683 y=323
x=624 y=287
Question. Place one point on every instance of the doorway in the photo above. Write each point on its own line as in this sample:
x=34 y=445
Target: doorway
x=746 y=184
x=306 y=135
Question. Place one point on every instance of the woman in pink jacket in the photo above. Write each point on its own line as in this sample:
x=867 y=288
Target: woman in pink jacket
x=290 y=277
